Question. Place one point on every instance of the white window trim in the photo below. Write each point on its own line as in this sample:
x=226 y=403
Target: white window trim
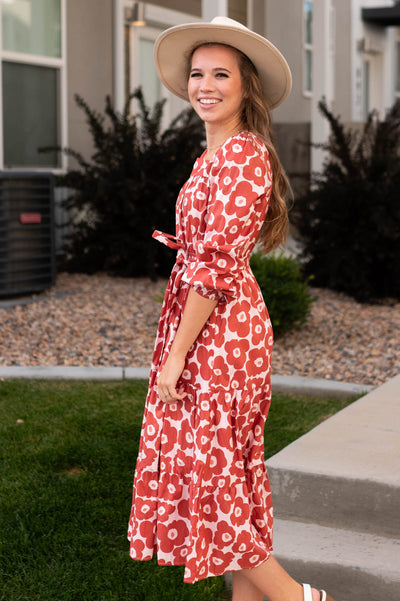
x=155 y=15
x=397 y=67
x=43 y=61
x=306 y=47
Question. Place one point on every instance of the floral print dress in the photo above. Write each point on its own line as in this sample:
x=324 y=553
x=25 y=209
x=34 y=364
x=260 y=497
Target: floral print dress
x=201 y=495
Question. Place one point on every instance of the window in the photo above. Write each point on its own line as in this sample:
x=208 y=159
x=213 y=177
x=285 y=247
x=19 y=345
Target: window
x=308 y=46
x=32 y=82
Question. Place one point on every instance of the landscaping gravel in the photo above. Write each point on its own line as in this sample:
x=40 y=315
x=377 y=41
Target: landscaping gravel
x=100 y=320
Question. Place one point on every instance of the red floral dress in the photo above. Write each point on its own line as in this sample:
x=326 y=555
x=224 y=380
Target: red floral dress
x=201 y=494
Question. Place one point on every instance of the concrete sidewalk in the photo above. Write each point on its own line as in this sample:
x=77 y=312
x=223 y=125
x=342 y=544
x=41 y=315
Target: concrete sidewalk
x=286 y=384
x=336 y=494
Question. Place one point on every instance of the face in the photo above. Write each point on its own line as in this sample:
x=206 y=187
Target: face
x=215 y=87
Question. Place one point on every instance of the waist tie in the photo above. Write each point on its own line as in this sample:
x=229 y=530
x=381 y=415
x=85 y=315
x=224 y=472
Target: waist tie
x=184 y=255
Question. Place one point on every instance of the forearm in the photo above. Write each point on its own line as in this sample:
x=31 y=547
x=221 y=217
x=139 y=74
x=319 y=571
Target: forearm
x=195 y=315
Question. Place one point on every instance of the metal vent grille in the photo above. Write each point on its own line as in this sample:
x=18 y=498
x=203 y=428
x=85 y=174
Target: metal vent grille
x=27 y=253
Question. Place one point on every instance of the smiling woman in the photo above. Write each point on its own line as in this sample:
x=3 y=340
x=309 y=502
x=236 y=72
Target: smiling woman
x=201 y=493
x=215 y=92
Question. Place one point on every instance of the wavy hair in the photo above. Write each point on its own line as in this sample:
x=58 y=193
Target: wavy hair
x=256 y=117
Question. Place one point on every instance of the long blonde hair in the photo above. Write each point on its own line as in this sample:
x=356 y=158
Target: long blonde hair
x=256 y=118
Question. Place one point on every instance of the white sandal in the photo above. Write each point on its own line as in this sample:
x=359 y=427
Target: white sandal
x=308 y=595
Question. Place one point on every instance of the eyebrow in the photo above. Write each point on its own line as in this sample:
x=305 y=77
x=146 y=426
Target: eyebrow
x=214 y=69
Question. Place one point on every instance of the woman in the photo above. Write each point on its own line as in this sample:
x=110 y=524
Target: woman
x=201 y=492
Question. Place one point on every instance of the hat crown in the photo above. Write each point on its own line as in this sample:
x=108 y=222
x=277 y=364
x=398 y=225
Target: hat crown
x=227 y=22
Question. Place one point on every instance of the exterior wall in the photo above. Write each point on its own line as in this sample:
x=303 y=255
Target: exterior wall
x=192 y=7
x=283 y=27
x=237 y=10
x=343 y=63
x=89 y=64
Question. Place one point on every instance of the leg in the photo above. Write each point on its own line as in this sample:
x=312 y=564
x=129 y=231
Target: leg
x=243 y=589
x=268 y=579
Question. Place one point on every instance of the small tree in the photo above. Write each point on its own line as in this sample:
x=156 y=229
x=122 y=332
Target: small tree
x=350 y=218
x=128 y=188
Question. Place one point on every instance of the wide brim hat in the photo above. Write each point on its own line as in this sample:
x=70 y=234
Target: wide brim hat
x=173 y=47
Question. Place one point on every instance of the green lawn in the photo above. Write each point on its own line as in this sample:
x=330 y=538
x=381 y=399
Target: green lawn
x=65 y=491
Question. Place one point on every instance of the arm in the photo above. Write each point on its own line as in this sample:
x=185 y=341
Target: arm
x=197 y=310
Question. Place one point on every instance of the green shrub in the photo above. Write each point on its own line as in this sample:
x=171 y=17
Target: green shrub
x=349 y=221
x=128 y=188
x=284 y=290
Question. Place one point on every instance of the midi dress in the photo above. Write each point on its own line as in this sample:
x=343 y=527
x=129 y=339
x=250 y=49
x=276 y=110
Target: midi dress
x=201 y=494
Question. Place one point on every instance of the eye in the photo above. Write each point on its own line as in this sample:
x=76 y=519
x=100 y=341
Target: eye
x=195 y=74
x=222 y=74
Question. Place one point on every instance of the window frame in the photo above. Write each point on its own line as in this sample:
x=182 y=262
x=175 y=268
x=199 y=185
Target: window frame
x=41 y=61
x=308 y=50
x=397 y=69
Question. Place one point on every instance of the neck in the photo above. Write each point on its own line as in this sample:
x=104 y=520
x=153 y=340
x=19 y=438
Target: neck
x=217 y=136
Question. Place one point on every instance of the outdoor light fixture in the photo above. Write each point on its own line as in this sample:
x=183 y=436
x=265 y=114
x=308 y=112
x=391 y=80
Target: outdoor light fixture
x=135 y=15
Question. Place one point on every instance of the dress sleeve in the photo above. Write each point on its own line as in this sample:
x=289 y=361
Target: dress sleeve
x=239 y=190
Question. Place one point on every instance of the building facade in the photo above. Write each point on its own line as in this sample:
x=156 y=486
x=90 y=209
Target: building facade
x=345 y=50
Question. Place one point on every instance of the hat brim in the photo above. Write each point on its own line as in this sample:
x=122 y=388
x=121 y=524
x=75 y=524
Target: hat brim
x=172 y=47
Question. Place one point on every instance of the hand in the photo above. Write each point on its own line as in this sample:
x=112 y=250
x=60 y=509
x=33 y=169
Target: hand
x=168 y=378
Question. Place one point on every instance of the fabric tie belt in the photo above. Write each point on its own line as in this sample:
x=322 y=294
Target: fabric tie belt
x=184 y=255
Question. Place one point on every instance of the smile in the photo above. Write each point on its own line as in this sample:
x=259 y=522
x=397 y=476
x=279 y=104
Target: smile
x=208 y=101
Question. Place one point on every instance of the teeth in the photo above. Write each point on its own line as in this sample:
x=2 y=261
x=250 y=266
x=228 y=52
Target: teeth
x=208 y=101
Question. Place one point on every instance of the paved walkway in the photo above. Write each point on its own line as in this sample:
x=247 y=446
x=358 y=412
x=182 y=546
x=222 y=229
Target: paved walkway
x=287 y=384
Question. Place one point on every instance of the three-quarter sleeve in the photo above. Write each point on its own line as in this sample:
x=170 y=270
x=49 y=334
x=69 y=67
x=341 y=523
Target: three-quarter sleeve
x=239 y=188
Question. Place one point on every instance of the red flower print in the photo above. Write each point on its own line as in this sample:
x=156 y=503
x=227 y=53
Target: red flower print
x=147 y=457
x=253 y=559
x=224 y=498
x=239 y=380
x=171 y=535
x=238 y=152
x=137 y=549
x=227 y=178
x=165 y=510
x=202 y=439
x=240 y=200
x=147 y=484
x=217 y=460
x=183 y=509
x=210 y=509
x=224 y=437
x=180 y=555
x=237 y=352
x=145 y=508
x=151 y=430
x=239 y=319
x=196 y=500
x=258 y=330
x=146 y=531
x=204 y=355
x=221 y=561
x=259 y=361
x=182 y=462
x=224 y=535
x=169 y=437
x=220 y=371
x=240 y=512
x=255 y=171
x=200 y=196
x=244 y=541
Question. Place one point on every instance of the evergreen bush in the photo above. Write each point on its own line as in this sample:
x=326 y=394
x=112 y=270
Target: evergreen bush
x=128 y=188
x=284 y=290
x=350 y=219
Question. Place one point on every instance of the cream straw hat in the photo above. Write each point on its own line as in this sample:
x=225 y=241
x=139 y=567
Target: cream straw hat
x=173 y=46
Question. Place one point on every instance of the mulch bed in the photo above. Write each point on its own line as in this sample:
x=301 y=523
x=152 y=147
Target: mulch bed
x=110 y=321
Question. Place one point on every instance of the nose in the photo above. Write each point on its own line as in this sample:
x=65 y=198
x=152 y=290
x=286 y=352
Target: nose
x=207 y=83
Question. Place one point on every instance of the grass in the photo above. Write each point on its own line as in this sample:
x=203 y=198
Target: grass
x=67 y=452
